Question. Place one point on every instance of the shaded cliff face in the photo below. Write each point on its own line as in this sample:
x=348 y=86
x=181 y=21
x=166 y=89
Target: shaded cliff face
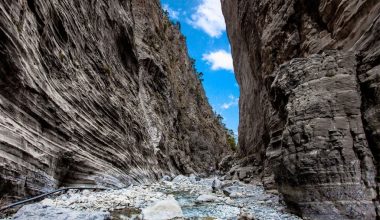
x=309 y=106
x=98 y=93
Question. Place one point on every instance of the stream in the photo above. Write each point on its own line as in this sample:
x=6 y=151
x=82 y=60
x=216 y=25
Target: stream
x=182 y=198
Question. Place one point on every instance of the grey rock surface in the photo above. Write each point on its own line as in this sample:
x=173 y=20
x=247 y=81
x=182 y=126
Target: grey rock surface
x=98 y=93
x=309 y=99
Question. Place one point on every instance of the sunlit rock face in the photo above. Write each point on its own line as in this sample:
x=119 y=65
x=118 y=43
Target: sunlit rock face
x=98 y=93
x=309 y=106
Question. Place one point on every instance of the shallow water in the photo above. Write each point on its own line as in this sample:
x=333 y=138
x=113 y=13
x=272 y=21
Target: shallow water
x=125 y=213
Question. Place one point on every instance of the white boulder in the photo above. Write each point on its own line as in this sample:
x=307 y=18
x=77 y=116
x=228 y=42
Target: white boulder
x=163 y=210
x=206 y=198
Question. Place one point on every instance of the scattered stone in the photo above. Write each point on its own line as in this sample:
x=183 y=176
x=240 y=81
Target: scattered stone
x=227 y=192
x=180 y=178
x=166 y=178
x=47 y=202
x=236 y=195
x=216 y=185
x=244 y=172
x=245 y=216
x=126 y=213
x=226 y=163
x=193 y=178
x=44 y=212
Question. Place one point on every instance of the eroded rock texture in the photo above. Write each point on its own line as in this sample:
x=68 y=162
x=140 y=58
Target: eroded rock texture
x=309 y=123
x=98 y=92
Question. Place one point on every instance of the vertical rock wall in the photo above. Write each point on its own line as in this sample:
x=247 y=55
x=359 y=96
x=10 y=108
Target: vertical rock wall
x=98 y=93
x=308 y=73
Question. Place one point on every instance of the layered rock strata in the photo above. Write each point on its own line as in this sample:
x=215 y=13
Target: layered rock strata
x=98 y=93
x=309 y=123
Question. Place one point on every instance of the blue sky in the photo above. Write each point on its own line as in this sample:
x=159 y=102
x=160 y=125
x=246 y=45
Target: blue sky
x=203 y=25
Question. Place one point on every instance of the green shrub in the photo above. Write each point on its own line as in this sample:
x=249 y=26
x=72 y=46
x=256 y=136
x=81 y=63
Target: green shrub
x=200 y=76
x=230 y=136
x=231 y=141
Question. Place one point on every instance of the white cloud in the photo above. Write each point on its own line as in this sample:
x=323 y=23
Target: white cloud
x=172 y=13
x=233 y=102
x=208 y=17
x=219 y=60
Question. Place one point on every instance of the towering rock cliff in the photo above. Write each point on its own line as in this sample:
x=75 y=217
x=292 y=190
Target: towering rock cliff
x=309 y=78
x=98 y=93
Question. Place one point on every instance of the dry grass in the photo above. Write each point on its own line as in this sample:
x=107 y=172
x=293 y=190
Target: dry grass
x=3 y=202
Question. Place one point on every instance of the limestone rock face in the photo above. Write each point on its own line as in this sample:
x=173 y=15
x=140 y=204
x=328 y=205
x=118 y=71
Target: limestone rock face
x=309 y=121
x=98 y=93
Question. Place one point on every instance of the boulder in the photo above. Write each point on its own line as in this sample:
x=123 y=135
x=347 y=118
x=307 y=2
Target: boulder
x=245 y=216
x=166 y=178
x=226 y=163
x=216 y=185
x=162 y=210
x=193 y=178
x=180 y=178
x=206 y=198
x=244 y=172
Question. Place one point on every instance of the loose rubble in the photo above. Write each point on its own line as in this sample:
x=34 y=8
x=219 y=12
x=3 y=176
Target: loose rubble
x=40 y=211
x=183 y=198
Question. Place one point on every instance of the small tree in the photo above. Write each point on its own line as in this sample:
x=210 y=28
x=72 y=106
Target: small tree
x=220 y=119
x=178 y=25
x=230 y=136
x=192 y=64
x=200 y=76
x=231 y=141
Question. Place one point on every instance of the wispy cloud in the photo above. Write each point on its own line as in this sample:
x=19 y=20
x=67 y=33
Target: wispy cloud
x=208 y=17
x=219 y=60
x=233 y=102
x=172 y=13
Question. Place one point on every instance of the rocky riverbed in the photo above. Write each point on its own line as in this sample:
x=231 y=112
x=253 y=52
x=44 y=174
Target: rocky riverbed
x=180 y=198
